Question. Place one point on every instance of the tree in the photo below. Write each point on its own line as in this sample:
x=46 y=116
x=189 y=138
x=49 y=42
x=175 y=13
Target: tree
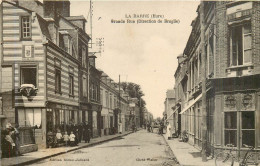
x=134 y=90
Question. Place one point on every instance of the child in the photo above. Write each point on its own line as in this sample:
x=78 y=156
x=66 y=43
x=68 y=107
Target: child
x=66 y=138
x=58 y=136
x=72 y=139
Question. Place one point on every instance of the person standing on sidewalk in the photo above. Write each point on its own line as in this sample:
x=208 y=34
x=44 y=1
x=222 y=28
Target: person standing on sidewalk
x=88 y=133
x=168 y=132
x=17 y=140
x=72 y=139
x=80 y=128
x=66 y=138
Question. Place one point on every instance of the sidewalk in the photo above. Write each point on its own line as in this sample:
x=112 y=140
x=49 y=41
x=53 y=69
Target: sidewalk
x=42 y=154
x=188 y=155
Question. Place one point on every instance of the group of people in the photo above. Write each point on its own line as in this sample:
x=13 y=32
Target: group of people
x=69 y=135
x=10 y=141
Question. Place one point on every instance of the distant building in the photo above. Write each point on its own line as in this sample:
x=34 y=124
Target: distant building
x=168 y=104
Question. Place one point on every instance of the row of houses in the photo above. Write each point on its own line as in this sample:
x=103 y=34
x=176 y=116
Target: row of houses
x=232 y=58
x=48 y=77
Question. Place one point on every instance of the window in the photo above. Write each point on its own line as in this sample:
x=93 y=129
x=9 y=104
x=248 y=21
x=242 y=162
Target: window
x=94 y=92
x=61 y=116
x=57 y=81
x=107 y=99
x=29 y=75
x=29 y=117
x=230 y=128
x=84 y=58
x=71 y=84
x=97 y=93
x=26 y=27
x=248 y=128
x=68 y=44
x=71 y=81
x=101 y=96
x=110 y=100
x=91 y=91
x=84 y=86
x=115 y=102
x=55 y=35
x=241 y=45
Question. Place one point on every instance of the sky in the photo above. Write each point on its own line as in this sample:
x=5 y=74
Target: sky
x=143 y=53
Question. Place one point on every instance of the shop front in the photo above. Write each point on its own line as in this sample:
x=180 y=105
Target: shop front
x=95 y=120
x=237 y=114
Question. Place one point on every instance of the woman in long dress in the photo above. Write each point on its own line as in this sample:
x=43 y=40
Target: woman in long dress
x=168 y=133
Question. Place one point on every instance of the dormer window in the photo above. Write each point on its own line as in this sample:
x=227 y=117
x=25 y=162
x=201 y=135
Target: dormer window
x=68 y=44
x=66 y=41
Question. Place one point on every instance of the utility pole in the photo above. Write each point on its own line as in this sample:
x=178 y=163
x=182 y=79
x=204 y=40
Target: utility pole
x=119 y=100
x=203 y=66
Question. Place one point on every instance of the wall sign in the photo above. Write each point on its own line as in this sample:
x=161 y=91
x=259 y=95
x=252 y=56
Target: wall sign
x=230 y=102
x=247 y=101
x=28 y=51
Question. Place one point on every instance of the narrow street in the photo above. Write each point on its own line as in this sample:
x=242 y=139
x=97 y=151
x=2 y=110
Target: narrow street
x=139 y=149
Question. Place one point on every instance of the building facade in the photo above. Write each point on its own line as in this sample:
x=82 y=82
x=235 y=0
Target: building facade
x=231 y=49
x=48 y=77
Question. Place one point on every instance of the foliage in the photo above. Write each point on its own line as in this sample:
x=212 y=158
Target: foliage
x=134 y=90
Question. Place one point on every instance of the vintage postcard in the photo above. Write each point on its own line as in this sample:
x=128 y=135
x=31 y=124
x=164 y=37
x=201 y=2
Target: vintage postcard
x=123 y=83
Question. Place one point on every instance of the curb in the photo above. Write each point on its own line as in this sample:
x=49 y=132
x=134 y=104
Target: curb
x=175 y=157
x=60 y=153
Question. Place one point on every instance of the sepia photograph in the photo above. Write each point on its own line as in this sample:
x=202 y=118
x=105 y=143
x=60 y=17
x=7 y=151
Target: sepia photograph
x=129 y=83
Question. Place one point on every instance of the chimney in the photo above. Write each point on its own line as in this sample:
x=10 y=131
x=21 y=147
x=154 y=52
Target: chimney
x=49 y=9
x=63 y=8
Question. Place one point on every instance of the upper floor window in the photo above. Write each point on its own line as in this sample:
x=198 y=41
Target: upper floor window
x=57 y=64
x=101 y=96
x=84 y=86
x=84 y=57
x=110 y=99
x=29 y=75
x=107 y=99
x=71 y=81
x=57 y=80
x=26 y=27
x=241 y=45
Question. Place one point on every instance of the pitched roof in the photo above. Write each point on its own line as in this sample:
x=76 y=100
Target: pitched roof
x=44 y=26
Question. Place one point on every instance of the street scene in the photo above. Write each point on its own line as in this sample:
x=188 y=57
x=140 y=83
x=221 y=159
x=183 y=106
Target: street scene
x=140 y=148
x=146 y=83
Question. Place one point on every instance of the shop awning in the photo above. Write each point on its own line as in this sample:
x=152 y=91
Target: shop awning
x=191 y=104
x=173 y=112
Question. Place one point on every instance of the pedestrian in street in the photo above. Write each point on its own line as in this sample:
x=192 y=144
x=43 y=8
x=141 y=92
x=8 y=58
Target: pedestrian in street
x=72 y=138
x=76 y=133
x=17 y=140
x=66 y=138
x=87 y=138
x=10 y=145
x=59 y=136
x=168 y=131
x=80 y=128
